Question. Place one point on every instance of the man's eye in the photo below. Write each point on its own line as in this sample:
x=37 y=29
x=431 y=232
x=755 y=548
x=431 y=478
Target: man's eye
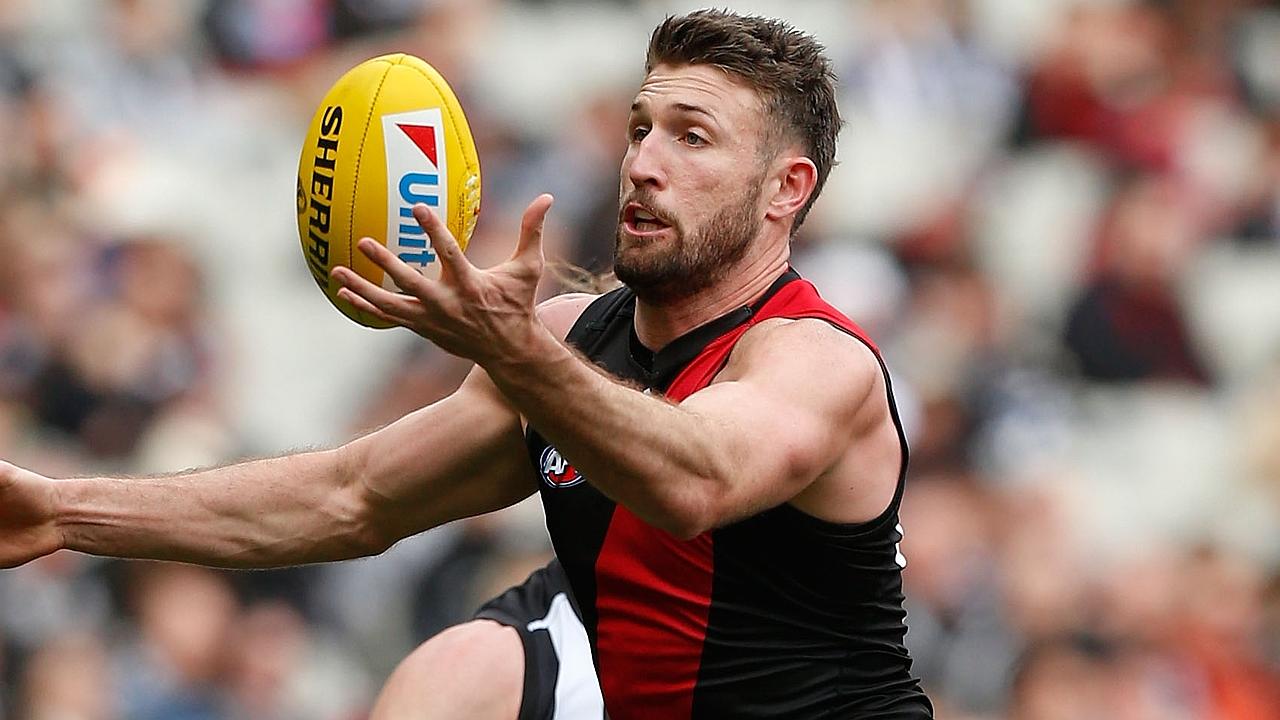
x=638 y=133
x=694 y=138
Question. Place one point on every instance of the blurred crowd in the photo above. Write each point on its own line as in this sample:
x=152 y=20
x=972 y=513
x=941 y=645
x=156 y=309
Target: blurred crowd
x=1059 y=218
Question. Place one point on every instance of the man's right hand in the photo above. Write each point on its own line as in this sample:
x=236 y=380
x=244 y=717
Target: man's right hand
x=28 y=526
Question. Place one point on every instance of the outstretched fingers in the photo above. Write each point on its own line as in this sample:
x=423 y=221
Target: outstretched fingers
x=529 y=248
x=377 y=301
x=452 y=262
x=405 y=276
x=366 y=307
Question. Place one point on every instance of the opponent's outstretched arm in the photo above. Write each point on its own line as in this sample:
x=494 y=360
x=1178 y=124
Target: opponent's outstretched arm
x=461 y=456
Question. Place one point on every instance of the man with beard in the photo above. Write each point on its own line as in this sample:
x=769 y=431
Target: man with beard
x=716 y=448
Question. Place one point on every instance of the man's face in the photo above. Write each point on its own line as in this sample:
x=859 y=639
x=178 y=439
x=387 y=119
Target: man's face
x=690 y=200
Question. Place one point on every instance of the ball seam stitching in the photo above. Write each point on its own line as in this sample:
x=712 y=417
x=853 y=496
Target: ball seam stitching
x=447 y=92
x=351 y=216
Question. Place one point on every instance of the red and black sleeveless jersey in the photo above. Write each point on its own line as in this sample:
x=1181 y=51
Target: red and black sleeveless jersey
x=780 y=615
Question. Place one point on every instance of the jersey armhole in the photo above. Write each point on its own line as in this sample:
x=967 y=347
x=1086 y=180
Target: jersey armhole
x=891 y=509
x=866 y=526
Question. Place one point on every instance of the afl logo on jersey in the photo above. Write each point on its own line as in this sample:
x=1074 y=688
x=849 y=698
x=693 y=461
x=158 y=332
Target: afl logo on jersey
x=556 y=471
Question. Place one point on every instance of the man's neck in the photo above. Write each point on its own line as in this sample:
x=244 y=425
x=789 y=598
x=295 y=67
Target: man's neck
x=658 y=325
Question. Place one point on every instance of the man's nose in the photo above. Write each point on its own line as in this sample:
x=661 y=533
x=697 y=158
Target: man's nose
x=645 y=163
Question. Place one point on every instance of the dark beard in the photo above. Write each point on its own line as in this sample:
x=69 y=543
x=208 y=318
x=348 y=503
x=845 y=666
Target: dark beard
x=701 y=258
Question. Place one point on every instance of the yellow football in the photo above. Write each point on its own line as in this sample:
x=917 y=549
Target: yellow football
x=389 y=134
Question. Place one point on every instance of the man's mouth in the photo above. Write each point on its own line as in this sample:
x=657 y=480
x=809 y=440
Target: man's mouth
x=639 y=221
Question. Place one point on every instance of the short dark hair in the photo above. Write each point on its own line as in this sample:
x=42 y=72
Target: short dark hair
x=787 y=67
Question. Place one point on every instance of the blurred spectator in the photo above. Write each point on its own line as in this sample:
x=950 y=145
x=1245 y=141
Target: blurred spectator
x=919 y=64
x=1105 y=80
x=70 y=678
x=283 y=669
x=1219 y=630
x=962 y=642
x=132 y=348
x=585 y=188
x=132 y=82
x=271 y=642
x=62 y=591
x=261 y=35
x=173 y=667
x=950 y=350
x=1071 y=678
x=1128 y=324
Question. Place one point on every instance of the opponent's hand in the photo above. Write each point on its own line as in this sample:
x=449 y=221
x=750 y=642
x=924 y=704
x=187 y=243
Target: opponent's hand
x=28 y=527
x=477 y=314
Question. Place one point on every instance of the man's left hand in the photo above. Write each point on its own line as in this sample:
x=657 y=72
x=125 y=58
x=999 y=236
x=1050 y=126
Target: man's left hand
x=482 y=315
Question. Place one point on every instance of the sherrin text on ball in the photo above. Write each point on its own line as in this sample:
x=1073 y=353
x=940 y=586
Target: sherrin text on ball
x=389 y=134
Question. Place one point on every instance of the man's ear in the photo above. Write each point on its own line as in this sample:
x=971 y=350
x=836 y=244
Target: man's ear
x=795 y=177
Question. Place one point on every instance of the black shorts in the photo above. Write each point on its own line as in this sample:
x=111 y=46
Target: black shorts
x=559 y=675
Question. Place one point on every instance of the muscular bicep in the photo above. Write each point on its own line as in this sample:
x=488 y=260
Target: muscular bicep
x=459 y=457
x=783 y=419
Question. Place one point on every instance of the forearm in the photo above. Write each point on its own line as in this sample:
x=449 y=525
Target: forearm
x=265 y=513
x=658 y=459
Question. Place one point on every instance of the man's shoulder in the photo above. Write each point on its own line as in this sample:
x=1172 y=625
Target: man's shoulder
x=814 y=347
x=808 y=334
x=562 y=311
